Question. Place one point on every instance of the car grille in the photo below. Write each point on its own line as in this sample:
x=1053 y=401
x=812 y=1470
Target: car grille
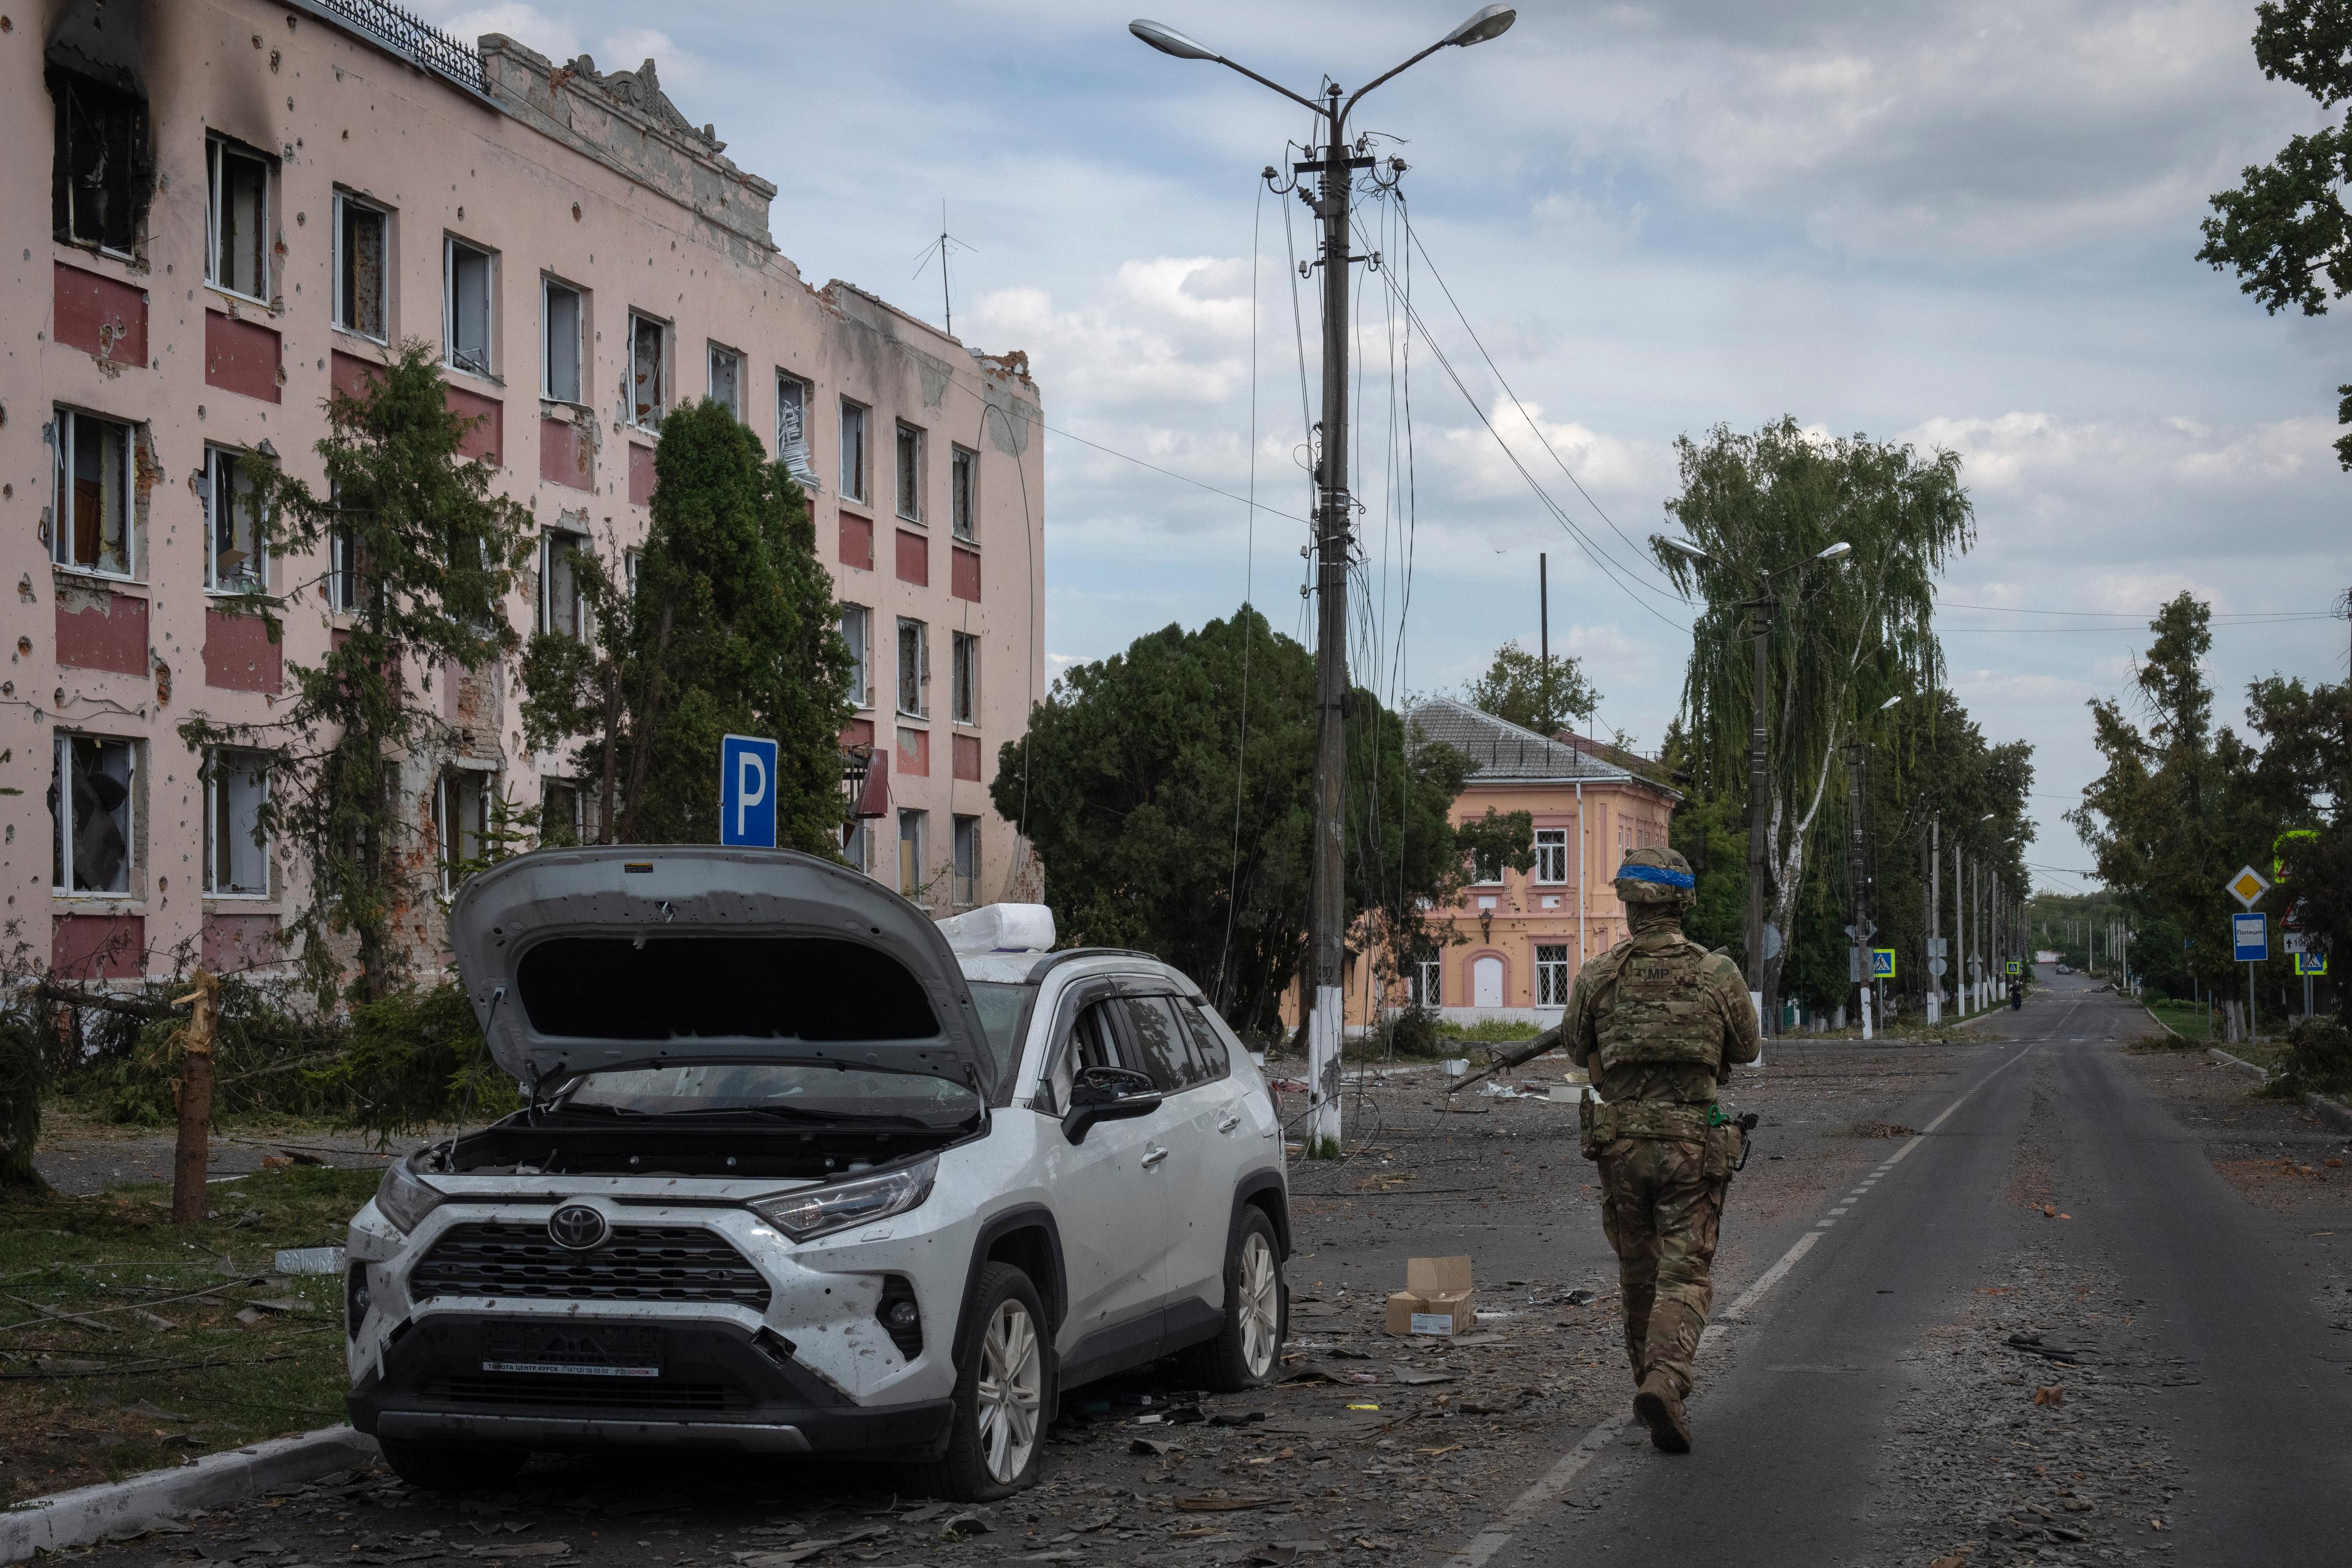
x=640 y=1263
x=588 y=1394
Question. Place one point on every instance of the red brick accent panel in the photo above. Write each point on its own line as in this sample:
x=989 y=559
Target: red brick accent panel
x=857 y=542
x=240 y=942
x=99 y=629
x=914 y=558
x=857 y=732
x=487 y=436
x=98 y=947
x=563 y=458
x=914 y=752
x=967 y=757
x=963 y=575
x=241 y=356
x=351 y=375
x=102 y=316
x=641 y=475
x=239 y=654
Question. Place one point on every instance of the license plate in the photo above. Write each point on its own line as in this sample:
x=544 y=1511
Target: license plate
x=573 y=1351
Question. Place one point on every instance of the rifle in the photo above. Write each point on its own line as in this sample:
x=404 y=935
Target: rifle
x=1524 y=1052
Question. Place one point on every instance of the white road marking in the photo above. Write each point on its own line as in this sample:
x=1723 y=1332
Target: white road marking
x=1556 y=1481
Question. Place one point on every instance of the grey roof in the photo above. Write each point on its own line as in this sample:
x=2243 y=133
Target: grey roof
x=1503 y=753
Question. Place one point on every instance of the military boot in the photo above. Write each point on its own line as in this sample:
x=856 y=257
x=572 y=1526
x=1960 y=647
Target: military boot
x=1659 y=1406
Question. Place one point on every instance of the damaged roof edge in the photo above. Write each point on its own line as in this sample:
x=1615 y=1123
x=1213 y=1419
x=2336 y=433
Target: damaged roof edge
x=866 y=307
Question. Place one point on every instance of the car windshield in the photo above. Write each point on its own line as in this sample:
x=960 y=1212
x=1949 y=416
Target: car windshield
x=1001 y=1006
x=792 y=1088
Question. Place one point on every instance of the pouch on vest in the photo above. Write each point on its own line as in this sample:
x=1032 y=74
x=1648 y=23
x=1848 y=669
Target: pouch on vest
x=1724 y=1143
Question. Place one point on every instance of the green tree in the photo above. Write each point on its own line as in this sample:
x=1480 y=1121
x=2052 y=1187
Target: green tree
x=1169 y=792
x=1845 y=635
x=732 y=629
x=2284 y=229
x=1531 y=693
x=437 y=553
x=2304 y=782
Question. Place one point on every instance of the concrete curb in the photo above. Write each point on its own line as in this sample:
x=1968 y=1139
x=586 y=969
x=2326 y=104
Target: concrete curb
x=2160 y=1023
x=2334 y=1112
x=2238 y=1063
x=128 y=1507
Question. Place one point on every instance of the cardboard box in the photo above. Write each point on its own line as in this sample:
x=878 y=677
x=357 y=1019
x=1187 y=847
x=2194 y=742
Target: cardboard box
x=1436 y=1298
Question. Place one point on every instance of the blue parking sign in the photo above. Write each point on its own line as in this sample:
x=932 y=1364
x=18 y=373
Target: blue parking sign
x=2250 y=935
x=747 y=791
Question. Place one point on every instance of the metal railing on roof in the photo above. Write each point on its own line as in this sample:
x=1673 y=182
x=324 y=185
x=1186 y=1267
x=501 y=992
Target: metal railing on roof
x=407 y=34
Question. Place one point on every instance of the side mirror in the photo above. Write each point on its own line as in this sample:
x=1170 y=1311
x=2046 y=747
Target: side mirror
x=1108 y=1094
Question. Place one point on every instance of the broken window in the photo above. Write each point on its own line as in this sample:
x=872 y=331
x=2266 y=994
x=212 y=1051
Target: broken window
x=727 y=379
x=99 y=183
x=963 y=494
x=466 y=284
x=561 y=315
x=910 y=852
x=792 y=427
x=236 y=851
x=237 y=218
x=563 y=813
x=857 y=631
x=342 y=585
x=967 y=859
x=234 y=561
x=648 y=384
x=461 y=822
x=852 y=451
x=1551 y=853
x=914 y=668
x=1552 y=976
x=92 y=528
x=561 y=608
x=90 y=783
x=910 y=472
x=964 y=678
x=362 y=237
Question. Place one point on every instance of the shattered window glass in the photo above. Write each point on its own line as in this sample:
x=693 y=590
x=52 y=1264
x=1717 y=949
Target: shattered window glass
x=90 y=801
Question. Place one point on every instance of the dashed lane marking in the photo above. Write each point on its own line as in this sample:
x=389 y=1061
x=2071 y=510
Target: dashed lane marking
x=1554 y=1482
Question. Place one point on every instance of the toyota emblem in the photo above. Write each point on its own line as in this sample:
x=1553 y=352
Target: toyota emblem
x=577 y=1228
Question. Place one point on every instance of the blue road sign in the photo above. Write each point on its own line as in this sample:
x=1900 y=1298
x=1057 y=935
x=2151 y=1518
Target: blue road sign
x=747 y=791
x=1881 y=964
x=2310 y=964
x=2250 y=935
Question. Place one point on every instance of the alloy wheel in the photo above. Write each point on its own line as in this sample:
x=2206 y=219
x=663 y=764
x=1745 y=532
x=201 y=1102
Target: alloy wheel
x=1261 y=1304
x=1012 y=1391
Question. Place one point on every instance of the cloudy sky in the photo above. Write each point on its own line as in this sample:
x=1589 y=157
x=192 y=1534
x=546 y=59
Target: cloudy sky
x=1966 y=224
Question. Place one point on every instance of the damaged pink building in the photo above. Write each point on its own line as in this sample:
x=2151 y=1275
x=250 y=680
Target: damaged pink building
x=244 y=205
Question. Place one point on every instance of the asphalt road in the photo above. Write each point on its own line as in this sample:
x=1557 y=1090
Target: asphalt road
x=1870 y=1407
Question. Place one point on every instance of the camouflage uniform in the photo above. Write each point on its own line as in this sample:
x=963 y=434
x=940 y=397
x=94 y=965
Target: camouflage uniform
x=1659 y=1022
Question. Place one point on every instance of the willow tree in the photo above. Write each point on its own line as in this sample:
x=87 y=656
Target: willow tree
x=1845 y=635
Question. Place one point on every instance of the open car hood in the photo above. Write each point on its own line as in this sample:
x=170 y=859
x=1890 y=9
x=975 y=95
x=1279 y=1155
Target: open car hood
x=581 y=959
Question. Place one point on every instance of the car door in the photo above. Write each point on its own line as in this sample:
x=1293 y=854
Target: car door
x=1197 y=1172
x=1108 y=1193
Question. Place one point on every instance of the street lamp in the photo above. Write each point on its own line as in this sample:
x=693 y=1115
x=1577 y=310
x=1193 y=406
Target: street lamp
x=1335 y=164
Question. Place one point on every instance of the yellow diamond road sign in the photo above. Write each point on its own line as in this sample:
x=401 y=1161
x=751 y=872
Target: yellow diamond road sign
x=2248 y=885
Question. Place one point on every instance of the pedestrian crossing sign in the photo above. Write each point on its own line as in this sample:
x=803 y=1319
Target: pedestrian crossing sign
x=2310 y=964
x=2015 y=966
x=1881 y=964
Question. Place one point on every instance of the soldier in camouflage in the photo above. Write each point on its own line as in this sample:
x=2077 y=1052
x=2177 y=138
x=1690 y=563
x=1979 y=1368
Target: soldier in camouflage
x=1659 y=1022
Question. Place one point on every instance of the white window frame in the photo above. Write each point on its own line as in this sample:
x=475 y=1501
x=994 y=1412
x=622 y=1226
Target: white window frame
x=963 y=495
x=577 y=790
x=62 y=843
x=552 y=540
x=1552 y=856
x=222 y=462
x=906 y=476
x=919 y=669
x=854 y=456
x=221 y=763
x=345 y=203
x=218 y=149
x=549 y=287
x=342 y=585
x=1554 y=974
x=857 y=845
x=450 y=246
x=861 y=653
x=1427 y=983
x=793 y=395
x=61 y=520
x=648 y=414
x=963 y=678
x=449 y=798
x=716 y=355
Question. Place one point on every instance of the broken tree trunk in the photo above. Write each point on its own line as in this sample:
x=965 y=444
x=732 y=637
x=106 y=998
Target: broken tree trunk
x=195 y=1099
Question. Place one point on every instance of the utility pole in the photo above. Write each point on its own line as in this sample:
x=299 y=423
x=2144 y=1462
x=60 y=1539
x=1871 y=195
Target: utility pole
x=1959 y=933
x=1760 y=628
x=1334 y=166
x=1859 y=892
x=1935 y=913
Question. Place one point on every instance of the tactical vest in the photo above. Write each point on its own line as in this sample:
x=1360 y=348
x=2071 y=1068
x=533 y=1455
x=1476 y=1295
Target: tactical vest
x=1658 y=1009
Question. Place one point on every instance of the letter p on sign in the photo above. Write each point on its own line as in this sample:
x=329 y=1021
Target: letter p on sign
x=747 y=791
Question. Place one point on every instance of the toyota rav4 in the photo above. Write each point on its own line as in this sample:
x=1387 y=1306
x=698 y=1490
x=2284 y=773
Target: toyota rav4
x=802 y=1172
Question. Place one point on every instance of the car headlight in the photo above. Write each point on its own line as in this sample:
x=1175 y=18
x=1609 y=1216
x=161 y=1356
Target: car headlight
x=404 y=1198
x=812 y=1211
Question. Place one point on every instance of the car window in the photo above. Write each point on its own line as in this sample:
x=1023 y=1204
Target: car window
x=1002 y=1007
x=1208 y=1045
x=1093 y=1042
x=1167 y=1053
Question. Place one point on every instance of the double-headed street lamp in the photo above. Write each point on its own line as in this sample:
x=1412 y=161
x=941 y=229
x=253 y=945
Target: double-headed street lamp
x=1335 y=164
x=1760 y=629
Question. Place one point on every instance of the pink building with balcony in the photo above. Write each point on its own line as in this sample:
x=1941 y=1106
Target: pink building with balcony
x=242 y=204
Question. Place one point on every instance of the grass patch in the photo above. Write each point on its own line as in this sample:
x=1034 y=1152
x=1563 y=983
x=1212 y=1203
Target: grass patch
x=2190 y=1020
x=81 y=1404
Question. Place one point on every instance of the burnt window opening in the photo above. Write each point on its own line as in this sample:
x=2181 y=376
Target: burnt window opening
x=103 y=171
x=237 y=214
x=715 y=988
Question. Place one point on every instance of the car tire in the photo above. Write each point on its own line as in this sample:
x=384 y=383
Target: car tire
x=1004 y=1394
x=1247 y=1350
x=453 y=1467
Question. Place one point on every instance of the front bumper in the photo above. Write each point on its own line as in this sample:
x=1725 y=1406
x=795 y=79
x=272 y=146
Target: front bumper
x=719 y=1386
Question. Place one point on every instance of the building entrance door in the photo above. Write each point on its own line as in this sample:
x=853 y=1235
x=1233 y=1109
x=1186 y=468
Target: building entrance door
x=1487 y=982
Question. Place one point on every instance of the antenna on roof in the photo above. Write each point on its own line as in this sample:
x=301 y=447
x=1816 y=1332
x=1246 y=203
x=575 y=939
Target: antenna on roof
x=942 y=248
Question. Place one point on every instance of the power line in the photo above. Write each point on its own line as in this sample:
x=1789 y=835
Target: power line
x=1187 y=478
x=2133 y=614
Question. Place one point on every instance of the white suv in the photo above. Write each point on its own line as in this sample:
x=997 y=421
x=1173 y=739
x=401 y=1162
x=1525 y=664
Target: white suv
x=797 y=1175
